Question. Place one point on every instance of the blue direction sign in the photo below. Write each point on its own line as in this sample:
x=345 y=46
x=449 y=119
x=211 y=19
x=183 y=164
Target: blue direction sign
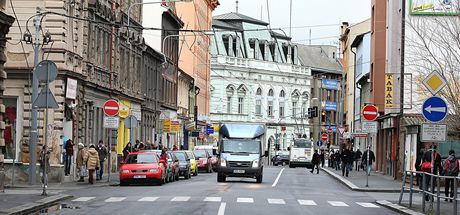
x=434 y=109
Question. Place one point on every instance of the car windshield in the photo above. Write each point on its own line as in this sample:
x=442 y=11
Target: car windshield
x=190 y=155
x=209 y=151
x=200 y=153
x=147 y=158
x=180 y=156
x=241 y=146
x=302 y=144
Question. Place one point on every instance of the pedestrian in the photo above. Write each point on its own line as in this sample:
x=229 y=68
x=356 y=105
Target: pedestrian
x=315 y=161
x=371 y=160
x=346 y=158
x=450 y=169
x=337 y=159
x=331 y=159
x=426 y=167
x=128 y=149
x=358 y=155
x=321 y=158
x=102 y=153
x=80 y=162
x=92 y=162
x=418 y=162
x=68 y=156
x=44 y=162
x=136 y=145
x=148 y=145
x=141 y=146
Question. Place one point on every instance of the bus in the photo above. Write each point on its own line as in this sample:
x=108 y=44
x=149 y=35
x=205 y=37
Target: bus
x=301 y=153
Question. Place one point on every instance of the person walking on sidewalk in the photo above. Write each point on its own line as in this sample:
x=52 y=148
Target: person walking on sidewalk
x=102 y=152
x=347 y=158
x=337 y=159
x=426 y=167
x=418 y=162
x=450 y=169
x=358 y=155
x=315 y=161
x=331 y=161
x=68 y=156
x=321 y=158
x=371 y=160
x=81 y=166
x=92 y=162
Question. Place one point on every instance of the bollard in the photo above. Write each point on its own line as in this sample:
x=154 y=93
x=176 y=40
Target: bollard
x=438 y=196
x=455 y=195
x=411 y=189
x=403 y=188
x=424 y=194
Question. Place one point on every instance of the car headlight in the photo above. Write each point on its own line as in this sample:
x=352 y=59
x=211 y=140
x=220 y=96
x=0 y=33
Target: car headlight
x=125 y=171
x=154 y=170
x=223 y=162
x=255 y=163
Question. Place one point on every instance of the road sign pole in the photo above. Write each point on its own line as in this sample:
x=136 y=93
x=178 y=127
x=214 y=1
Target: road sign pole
x=367 y=162
x=109 y=142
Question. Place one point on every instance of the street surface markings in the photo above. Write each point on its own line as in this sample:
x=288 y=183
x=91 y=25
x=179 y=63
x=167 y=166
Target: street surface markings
x=213 y=199
x=83 y=199
x=337 y=204
x=276 y=201
x=221 y=210
x=245 y=200
x=277 y=178
x=306 y=202
x=367 y=205
x=180 y=199
x=115 y=199
x=148 y=199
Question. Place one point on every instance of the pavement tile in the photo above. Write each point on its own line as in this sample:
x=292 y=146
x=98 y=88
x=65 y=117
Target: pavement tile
x=115 y=199
x=213 y=199
x=148 y=199
x=180 y=199
x=276 y=201
x=367 y=205
x=245 y=200
x=306 y=202
x=338 y=204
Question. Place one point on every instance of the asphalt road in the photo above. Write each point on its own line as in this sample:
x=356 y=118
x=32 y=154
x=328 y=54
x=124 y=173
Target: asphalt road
x=295 y=191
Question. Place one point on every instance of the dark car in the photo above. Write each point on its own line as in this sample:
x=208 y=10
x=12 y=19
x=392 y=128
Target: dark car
x=184 y=164
x=280 y=160
x=203 y=160
x=174 y=163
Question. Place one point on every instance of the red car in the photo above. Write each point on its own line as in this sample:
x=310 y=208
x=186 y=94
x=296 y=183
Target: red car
x=142 y=167
x=203 y=160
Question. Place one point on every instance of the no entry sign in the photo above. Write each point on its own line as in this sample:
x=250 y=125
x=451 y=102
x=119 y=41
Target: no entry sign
x=111 y=107
x=370 y=112
x=324 y=137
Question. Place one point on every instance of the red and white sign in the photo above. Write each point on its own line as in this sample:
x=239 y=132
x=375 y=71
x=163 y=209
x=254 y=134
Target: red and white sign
x=329 y=130
x=324 y=137
x=111 y=107
x=370 y=112
x=341 y=130
x=359 y=134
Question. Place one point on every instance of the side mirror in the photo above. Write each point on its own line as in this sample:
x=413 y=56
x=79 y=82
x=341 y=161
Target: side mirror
x=266 y=153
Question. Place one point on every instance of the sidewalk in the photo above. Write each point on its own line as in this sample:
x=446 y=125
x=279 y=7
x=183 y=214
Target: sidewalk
x=25 y=198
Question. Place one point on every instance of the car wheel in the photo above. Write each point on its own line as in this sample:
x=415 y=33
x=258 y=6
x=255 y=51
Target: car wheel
x=291 y=166
x=123 y=183
x=220 y=177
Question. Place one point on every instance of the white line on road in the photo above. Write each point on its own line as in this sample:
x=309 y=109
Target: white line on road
x=148 y=199
x=277 y=178
x=337 y=204
x=306 y=202
x=221 y=210
x=245 y=200
x=115 y=199
x=367 y=205
x=213 y=199
x=83 y=199
x=180 y=199
x=276 y=201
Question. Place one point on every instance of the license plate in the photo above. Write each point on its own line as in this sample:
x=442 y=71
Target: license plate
x=139 y=176
x=238 y=171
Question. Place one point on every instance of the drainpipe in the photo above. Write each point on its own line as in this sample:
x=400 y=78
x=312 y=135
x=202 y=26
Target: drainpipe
x=354 y=91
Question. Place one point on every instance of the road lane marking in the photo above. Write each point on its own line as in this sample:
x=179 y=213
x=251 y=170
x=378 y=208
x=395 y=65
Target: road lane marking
x=367 y=205
x=277 y=178
x=180 y=199
x=148 y=199
x=306 y=202
x=83 y=199
x=213 y=199
x=276 y=201
x=337 y=204
x=115 y=199
x=221 y=210
x=245 y=200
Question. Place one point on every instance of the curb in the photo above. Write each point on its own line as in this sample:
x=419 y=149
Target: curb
x=37 y=205
x=353 y=187
x=397 y=208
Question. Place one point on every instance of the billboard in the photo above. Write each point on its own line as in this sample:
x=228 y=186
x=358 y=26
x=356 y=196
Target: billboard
x=330 y=84
x=434 y=7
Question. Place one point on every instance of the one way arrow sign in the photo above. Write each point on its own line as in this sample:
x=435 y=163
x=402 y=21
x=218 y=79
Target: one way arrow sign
x=434 y=109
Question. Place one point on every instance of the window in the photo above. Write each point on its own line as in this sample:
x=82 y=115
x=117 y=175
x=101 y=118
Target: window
x=230 y=91
x=259 y=101
x=304 y=109
x=294 y=110
x=229 y=104
x=240 y=105
x=270 y=102
x=281 y=104
x=10 y=149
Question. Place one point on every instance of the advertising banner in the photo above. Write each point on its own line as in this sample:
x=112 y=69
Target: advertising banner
x=330 y=84
x=389 y=91
x=434 y=7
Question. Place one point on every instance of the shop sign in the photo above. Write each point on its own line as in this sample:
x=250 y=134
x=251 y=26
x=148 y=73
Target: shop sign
x=166 y=125
x=175 y=126
x=71 y=89
x=389 y=91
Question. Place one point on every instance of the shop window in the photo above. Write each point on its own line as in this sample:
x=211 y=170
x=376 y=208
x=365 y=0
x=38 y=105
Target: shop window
x=10 y=118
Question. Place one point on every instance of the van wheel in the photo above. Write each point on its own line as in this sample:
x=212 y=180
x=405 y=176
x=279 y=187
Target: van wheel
x=291 y=166
x=259 y=178
x=220 y=177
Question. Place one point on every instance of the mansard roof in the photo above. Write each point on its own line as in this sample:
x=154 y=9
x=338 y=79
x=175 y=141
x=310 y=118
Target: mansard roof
x=239 y=17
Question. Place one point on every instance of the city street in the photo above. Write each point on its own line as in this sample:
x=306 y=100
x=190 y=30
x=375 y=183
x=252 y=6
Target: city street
x=296 y=191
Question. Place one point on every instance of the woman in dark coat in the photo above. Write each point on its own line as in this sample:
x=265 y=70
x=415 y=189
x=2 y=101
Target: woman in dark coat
x=128 y=149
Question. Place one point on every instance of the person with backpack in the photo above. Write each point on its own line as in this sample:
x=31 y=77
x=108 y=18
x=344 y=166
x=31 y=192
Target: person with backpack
x=426 y=167
x=450 y=169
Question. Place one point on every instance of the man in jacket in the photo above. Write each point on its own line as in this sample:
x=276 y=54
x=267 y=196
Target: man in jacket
x=92 y=162
x=371 y=160
x=427 y=157
x=450 y=169
x=322 y=158
x=68 y=156
x=81 y=167
x=315 y=161
x=358 y=155
x=102 y=152
x=347 y=158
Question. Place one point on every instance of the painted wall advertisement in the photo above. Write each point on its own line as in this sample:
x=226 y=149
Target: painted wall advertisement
x=434 y=7
x=389 y=91
x=330 y=84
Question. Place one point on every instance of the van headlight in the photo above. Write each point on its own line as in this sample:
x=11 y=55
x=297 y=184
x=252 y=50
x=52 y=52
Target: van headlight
x=255 y=163
x=223 y=162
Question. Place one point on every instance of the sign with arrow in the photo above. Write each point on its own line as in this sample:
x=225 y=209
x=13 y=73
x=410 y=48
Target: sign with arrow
x=434 y=109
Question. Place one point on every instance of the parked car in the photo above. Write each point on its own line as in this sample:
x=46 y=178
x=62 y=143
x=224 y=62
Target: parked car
x=193 y=162
x=174 y=163
x=204 y=160
x=184 y=164
x=142 y=167
x=280 y=160
x=210 y=149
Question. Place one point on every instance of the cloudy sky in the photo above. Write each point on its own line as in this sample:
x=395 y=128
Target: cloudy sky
x=322 y=17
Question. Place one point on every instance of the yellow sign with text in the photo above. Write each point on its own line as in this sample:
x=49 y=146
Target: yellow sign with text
x=389 y=91
x=175 y=127
x=166 y=125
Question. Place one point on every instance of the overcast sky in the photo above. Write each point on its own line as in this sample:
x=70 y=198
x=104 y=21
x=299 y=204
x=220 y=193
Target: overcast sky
x=304 y=13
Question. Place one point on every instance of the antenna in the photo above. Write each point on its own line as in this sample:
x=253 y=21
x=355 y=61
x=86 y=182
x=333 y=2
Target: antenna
x=261 y=8
x=236 y=6
x=309 y=38
x=290 y=18
x=268 y=14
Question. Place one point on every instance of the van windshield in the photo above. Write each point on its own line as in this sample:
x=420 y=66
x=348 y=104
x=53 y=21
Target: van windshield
x=302 y=144
x=241 y=146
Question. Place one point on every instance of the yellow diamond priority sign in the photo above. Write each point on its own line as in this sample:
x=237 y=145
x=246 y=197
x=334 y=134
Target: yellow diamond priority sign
x=434 y=82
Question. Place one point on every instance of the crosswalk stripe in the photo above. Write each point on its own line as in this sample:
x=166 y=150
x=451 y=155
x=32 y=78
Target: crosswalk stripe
x=306 y=202
x=213 y=199
x=115 y=199
x=276 y=201
x=83 y=199
x=337 y=204
x=180 y=199
x=148 y=199
x=367 y=205
x=245 y=200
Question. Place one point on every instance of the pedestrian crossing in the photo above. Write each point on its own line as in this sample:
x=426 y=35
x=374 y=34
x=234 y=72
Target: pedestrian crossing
x=239 y=200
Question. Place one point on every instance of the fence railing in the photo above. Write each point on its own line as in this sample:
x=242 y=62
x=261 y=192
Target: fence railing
x=432 y=193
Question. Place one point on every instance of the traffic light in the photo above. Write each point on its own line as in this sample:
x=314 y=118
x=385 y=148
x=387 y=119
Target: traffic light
x=323 y=116
x=314 y=112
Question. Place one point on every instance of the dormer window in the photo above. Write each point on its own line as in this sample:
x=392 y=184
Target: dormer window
x=254 y=48
x=273 y=46
x=229 y=44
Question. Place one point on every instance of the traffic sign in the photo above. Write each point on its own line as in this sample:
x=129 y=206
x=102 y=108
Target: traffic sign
x=111 y=122
x=130 y=122
x=359 y=134
x=329 y=130
x=323 y=136
x=369 y=127
x=434 y=82
x=111 y=107
x=319 y=143
x=434 y=132
x=434 y=109
x=341 y=130
x=370 y=112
